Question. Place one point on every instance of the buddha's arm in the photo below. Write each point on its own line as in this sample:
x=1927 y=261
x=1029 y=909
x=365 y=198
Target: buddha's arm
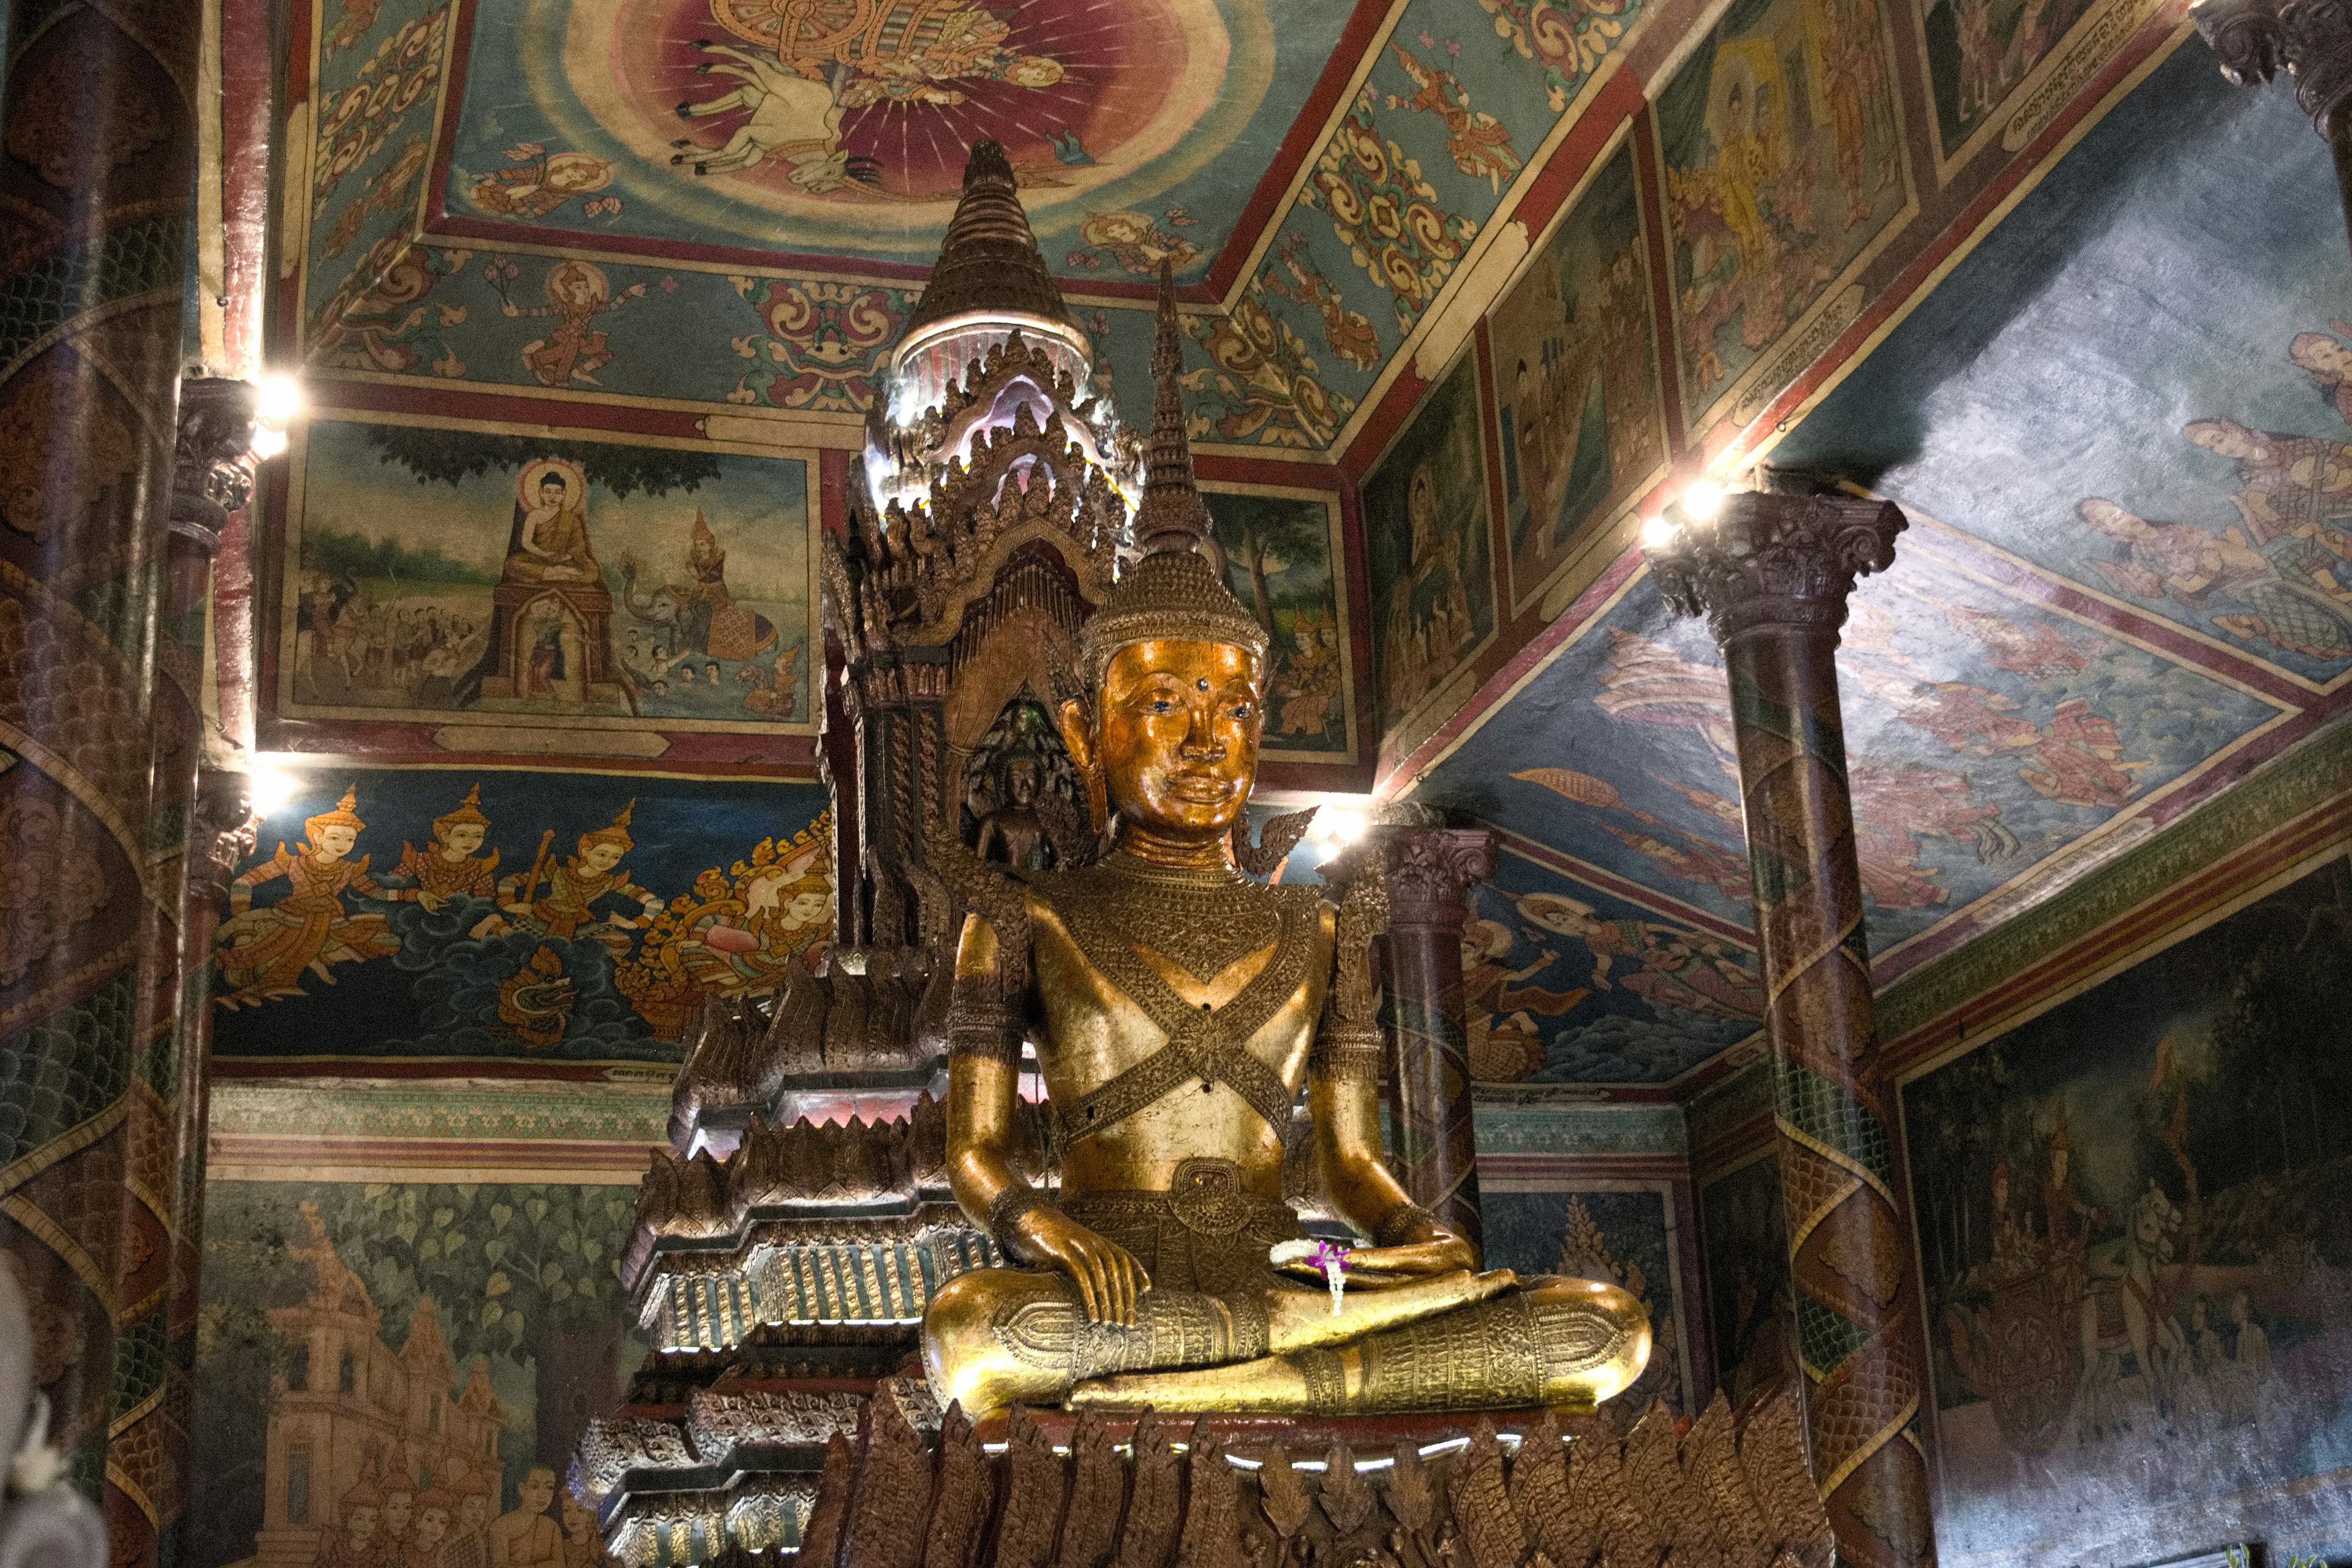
x=984 y=1081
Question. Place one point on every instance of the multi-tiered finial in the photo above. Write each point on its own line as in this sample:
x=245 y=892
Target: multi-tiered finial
x=1172 y=517
x=990 y=261
x=1173 y=592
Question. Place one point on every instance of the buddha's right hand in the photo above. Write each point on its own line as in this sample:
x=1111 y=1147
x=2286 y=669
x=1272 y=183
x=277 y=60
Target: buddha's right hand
x=1106 y=1275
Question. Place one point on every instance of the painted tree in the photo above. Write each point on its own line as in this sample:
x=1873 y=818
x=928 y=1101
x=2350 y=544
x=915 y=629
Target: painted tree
x=1262 y=535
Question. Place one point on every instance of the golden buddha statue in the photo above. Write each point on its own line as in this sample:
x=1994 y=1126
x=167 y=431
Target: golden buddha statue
x=1178 y=1007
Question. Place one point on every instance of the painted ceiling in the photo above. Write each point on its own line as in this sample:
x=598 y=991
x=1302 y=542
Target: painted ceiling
x=2119 y=429
x=1495 y=277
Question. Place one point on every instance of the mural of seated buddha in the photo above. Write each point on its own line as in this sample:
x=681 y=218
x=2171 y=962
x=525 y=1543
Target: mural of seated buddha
x=1178 y=1009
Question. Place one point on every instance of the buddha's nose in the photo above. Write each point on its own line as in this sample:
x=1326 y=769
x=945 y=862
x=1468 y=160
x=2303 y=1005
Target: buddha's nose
x=1201 y=740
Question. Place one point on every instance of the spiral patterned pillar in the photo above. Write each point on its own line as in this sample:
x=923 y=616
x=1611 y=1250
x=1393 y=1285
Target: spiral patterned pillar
x=100 y=660
x=1771 y=573
x=1429 y=872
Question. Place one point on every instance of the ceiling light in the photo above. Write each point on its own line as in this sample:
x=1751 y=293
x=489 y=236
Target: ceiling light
x=1702 y=500
x=269 y=789
x=267 y=442
x=1341 y=825
x=280 y=400
x=1658 y=532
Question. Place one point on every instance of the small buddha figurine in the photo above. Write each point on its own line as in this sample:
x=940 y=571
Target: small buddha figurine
x=1178 y=1009
x=1013 y=834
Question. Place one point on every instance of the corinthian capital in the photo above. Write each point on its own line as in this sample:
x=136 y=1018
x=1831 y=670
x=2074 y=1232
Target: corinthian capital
x=1429 y=871
x=1769 y=561
x=2310 y=39
x=212 y=458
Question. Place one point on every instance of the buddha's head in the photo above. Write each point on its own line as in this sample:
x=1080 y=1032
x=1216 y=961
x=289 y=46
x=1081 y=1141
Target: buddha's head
x=1175 y=666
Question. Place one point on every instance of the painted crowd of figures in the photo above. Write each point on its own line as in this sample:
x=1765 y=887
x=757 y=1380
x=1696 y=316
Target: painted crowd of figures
x=394 y=1521
x=2277 y=576
x=733 y=931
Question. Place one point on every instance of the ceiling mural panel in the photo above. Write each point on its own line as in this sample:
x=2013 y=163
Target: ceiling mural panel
x=1575 y=357
x=1286 y=558
x=1782 y=142
x=1429 y=551
x=447 y=575
x=841 y=128
x=1570 y=984
x=2152 y=398
x=1986 y=733
x=434 y=913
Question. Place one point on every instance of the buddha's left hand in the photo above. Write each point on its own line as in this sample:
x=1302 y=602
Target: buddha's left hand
x=1374 y=1267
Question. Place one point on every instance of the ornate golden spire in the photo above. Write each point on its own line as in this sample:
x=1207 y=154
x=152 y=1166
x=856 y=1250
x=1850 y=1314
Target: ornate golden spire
x=990 y=260
x=1173 y=590
x=1171 y=500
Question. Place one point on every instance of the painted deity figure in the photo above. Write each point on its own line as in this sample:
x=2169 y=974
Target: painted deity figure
x=577 y=293
x=427 y=1542
x=566 y=908
x=549 y=543
x=356 y=1541
x=264 y=952
x=525 y=1536
x=770 y=913
x=2192 y=566
x=1178 y=1009
x=468 y=1544
x=448 y=869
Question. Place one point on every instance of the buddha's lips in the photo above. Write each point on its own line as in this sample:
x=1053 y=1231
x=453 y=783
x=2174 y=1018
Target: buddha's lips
x=1207 y=788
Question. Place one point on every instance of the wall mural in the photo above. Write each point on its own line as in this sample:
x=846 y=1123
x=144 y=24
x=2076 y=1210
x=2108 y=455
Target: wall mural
x=470 y=912
x=1616 y=1232
x=1744 y=1234
x=2139 y=381
x=396 y=1374
x=1986 y=733
x=2138 y=1265
x=1575 y=359
x=445 y=573
x=1279 y=550
x=1567 y=985
x=1782 y=141
x=1428 y=550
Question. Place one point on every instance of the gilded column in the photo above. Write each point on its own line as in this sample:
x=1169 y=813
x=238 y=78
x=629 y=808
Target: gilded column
x=97 y=158
x=1430 y=870
x=1771 y=572
x=2312 y=41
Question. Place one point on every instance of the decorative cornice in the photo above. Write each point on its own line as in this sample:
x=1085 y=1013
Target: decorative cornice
x=212 y=458
x=1772 y=561
x=2312 y=40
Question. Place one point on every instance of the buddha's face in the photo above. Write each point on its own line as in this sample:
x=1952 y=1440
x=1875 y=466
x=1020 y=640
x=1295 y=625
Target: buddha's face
x=1175 y=732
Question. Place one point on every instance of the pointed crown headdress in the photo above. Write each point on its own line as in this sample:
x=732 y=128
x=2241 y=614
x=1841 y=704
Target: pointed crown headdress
x=617 y=833
x=345 y=815
x=1174 y=591
x=468 y=810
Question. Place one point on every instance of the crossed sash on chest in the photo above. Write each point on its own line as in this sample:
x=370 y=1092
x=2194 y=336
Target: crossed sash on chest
x=1205 y=1043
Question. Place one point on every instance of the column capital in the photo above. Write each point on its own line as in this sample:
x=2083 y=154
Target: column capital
x=212 y=458
x=1429 y=871
x=1769 y=561
x=2311 y=40
x=220 y=831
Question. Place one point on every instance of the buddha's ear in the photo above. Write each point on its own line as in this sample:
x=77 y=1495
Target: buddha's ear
x=1074 y=719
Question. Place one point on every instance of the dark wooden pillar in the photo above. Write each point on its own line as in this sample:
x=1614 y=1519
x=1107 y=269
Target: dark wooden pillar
x=1429 y=871
x=2311 y=40
x=1771 y=572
